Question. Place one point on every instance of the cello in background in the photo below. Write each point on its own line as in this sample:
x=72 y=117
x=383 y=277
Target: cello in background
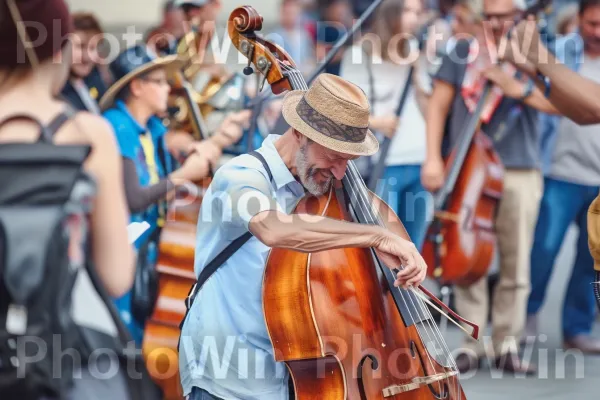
x=175 y=268
x=334 y=317
x=461 y=241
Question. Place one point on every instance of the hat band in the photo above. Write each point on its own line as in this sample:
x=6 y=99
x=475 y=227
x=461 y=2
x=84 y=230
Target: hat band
x=327 y=127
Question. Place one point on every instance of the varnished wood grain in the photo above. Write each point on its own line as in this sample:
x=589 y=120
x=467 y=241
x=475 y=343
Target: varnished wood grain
x=353 y=317
x=469 y=244
x=175 y=267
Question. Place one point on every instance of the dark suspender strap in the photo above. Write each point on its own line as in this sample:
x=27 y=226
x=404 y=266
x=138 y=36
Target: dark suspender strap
x=264 y=163
x=223 y=256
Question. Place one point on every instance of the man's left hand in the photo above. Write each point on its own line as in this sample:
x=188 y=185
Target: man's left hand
x=509 y=85
x=207 y=149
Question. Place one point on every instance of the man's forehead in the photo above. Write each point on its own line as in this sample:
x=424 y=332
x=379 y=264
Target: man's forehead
x=338 y=155
x=508 y=5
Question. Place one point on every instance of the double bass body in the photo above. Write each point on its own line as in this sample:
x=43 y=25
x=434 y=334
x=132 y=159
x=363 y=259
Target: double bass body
x=332 y=318
x=461 y=241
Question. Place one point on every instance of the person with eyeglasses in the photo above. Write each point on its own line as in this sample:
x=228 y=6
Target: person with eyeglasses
x=511 y=125
x=133 y=105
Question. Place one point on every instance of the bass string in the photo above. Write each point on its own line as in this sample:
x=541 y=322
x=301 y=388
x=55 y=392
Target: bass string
x=360 y=190
x=432 y=326
x=296 y=77
x=436 y=332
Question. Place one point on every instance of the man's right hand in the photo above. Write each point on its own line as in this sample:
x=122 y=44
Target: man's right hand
x=432 y=174
x=396 y=252
x=207 y=149
x=525 y=49
x=387 y=125
x=194 y=169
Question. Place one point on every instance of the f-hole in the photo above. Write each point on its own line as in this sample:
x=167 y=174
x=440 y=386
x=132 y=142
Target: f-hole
x=444 y=394
x=359 y=370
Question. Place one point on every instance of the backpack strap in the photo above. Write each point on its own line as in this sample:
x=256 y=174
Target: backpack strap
x=26 y=117
x=57 y=123
x=46 y=132
x=220 y=259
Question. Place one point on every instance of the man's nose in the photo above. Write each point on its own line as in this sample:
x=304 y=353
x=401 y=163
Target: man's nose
x=339 y=169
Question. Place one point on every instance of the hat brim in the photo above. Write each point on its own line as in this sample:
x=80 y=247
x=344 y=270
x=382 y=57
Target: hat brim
x=172 y=63
x=368 y=147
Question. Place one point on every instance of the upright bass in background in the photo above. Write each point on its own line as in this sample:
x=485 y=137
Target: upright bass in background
x=175 y=266
x=335 y=317
x=461 y=241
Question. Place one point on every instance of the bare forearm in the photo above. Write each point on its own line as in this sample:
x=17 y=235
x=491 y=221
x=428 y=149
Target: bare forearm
x=438 y=108
x=310 y=233
x=539 y=102
x=573 y=95
x=434 y=130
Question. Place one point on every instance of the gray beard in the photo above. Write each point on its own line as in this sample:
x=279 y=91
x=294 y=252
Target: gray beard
x=306 y=173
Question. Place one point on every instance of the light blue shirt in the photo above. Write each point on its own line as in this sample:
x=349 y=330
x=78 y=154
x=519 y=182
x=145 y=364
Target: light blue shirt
x=225 y=347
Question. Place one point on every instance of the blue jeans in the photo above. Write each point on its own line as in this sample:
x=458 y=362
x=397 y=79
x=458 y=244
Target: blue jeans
x=400 y=187
x=201 y=394
x=563 y=203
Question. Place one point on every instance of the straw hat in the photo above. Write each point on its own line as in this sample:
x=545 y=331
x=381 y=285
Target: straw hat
x=333 y=113
x=134 y=62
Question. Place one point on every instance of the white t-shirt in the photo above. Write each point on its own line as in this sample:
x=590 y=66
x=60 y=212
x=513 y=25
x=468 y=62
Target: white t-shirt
x=408 y=145
x=576 y=150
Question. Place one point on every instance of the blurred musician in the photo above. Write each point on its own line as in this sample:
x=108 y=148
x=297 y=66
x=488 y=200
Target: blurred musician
x=132 y=105
x=512 y=126
x=88 y=80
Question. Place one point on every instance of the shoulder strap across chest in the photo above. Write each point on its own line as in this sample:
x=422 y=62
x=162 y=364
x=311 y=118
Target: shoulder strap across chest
x=264 y=163
x=223 y=256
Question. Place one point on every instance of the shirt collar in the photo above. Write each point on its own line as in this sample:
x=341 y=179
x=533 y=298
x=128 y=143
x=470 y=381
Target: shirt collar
x=155 y=126
x=281 y=173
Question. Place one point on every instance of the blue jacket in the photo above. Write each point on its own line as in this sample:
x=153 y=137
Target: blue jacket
x=568 y=50
x=127 y=131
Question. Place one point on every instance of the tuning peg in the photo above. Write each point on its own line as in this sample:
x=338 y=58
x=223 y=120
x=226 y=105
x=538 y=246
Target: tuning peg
x=247 y=49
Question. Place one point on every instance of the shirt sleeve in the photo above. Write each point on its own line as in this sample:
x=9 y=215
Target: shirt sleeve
x=139 y=198
x=593 y=222
x=453 y=64
x=236 y=195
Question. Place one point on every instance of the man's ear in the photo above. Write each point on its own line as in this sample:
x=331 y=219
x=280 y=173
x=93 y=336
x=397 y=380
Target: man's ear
x=135 y=87
x=297 y=135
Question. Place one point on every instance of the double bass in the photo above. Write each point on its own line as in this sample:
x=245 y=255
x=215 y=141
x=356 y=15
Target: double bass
x=460 y=242
x=175 y=266
x=334 y=317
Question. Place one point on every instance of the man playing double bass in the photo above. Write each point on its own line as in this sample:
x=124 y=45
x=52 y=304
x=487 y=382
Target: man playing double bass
x=511 y=124
x=225 y=349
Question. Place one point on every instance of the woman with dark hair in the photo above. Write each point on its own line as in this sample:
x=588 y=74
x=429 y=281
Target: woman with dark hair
x=31 y=77
x=30 y=84
x=379 y=63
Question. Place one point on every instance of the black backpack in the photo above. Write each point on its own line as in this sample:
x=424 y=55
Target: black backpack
x=45 y=198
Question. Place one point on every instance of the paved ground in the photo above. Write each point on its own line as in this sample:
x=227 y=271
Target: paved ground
x=562 y=375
